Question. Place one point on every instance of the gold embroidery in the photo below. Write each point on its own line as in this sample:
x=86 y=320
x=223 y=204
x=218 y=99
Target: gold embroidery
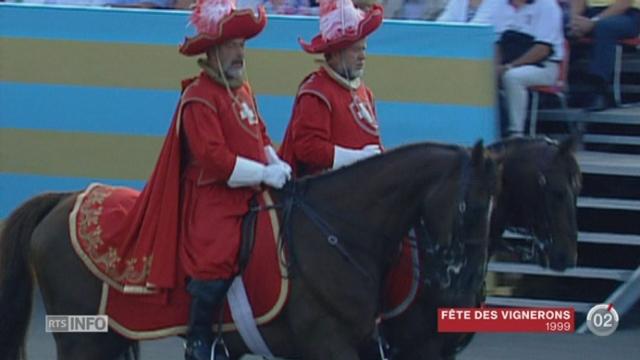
x=108 y=260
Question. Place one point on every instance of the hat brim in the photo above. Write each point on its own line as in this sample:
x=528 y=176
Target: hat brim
x=368 y=24
x=239 y=24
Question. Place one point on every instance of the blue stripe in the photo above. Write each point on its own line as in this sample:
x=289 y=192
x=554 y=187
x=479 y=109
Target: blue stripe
x=86 y=109
x=164 y=27
x=99 y=24
x=464 y=125
x=17 y=188
x=433 y=40
x=148 y=113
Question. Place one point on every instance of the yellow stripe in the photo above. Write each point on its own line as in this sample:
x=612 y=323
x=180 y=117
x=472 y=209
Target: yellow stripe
x=431 y=80
x=406 y=79
x=78 y=155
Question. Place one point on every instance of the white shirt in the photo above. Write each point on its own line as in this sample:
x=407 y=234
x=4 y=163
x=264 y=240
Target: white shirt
x=458 y=10
x=541 y=19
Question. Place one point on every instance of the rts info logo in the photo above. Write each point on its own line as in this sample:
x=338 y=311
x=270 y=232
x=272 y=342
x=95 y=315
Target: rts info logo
x=77 y=323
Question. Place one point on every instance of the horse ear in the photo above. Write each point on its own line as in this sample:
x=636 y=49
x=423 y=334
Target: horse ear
x=497 y=154
x=568 y=146
x=477 y=154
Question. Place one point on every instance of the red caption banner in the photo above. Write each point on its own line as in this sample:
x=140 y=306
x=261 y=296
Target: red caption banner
x=559 y=320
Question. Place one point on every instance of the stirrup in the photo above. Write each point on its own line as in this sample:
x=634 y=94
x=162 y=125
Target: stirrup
x=214 y=347
x=383 y=348
x=383 y=345
x=190 y=348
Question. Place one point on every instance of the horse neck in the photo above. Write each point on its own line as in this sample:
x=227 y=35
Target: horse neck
x=386 y=192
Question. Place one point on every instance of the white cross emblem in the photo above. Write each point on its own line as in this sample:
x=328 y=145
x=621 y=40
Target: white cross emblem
x=363 y=113
x=247 y=114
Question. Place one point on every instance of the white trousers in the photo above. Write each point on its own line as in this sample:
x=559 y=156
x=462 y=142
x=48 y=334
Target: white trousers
x=515 y=83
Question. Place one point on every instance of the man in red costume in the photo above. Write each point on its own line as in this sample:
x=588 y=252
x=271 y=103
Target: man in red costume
x=216 y=156
x=334 y=118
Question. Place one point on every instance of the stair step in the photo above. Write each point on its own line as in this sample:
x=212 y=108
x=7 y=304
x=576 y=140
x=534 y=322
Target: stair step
x=624 y=115
x=578 y=272
x=581 y=307
x=608 y=238
x=629 y=88
x=595 y=162
x=607 y=203
x=612 y=139
x=592 y=238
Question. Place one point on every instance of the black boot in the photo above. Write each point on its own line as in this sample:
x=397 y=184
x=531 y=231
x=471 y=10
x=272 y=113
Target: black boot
x=598 y=100
x=205 y=298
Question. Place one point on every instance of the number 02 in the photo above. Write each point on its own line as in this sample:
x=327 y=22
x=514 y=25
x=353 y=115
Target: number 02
x=605 y=320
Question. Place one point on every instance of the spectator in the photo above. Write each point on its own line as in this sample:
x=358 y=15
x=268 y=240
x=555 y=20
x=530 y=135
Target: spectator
x=414 y=9
x=364 y=5
x=474 y=11
x=606 y=21
x=148 y=4
x=282 y=7
x=529 y=51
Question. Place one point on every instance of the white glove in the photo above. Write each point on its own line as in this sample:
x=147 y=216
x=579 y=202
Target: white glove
x=273 y=158
x=343 y=156
x=276 y=175
x=371 y=150
x=246 y=173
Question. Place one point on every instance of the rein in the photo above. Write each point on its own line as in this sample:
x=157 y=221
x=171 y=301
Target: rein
x=294 y=199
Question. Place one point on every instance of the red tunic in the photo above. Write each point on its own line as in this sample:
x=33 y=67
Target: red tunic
x=325 y=114
x=215 y=130
x=187 y=219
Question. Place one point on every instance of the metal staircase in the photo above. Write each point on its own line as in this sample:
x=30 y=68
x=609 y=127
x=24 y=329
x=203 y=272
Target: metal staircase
x=608 y=268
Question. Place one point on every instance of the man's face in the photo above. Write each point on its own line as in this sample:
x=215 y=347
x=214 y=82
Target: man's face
x=231 y=56
x=351 y=60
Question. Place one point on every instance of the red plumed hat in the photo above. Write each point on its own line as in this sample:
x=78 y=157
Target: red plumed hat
x=217 y=21
x=341 y=25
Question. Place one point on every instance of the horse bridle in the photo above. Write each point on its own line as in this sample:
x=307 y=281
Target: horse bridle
x=534 y=246
x=449 y=261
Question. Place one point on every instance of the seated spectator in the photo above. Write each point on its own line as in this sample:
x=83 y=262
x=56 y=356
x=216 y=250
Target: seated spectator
x=282 y=7
x=143 y=4
x=606 y=21
x=364 y=5
x=474 y=11
x=148 y=4
x=413 y=9
x=185 y=4
x=528 y=53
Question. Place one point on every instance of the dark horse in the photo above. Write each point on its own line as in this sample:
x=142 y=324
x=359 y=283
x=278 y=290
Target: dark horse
x=334 y=295
x=540 y=183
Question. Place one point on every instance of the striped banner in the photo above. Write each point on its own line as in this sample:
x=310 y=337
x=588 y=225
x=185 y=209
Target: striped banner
x=86 y=94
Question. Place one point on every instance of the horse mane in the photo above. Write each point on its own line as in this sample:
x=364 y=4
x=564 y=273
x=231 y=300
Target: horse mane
x=518 y=142
x=520 y=149
x=401 y=151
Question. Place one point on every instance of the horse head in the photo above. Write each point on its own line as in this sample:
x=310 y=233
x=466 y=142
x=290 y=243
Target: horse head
x=458 y=264
x=541 y=181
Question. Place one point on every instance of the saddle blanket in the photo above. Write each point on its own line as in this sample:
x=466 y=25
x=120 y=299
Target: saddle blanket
x=403 y=280
x=155 y=315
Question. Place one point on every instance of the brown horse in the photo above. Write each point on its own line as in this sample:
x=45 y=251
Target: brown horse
x=540 y=183
x=333 y=300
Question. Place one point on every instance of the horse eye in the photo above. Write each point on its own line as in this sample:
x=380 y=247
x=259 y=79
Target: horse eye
x=542 y=180
x=462 y=207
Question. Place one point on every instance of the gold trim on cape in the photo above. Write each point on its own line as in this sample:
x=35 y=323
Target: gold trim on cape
x=227 y=327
